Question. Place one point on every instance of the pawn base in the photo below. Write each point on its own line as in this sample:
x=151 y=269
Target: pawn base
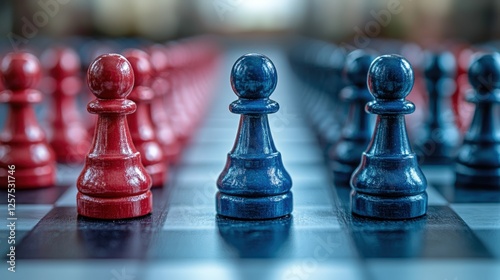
x=436 y=160
x=158 y=173
x=254 y=208
x=114 y=208
x=172 y=157
x=392 y=208
x=474 y=178
x=342 y=173
x=341 y=179
x=434 y=152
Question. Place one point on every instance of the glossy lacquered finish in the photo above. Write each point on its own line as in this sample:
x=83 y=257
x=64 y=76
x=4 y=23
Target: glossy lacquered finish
x=478 y=162
x=23 y=143
x=140 y=123
x=439 y=136
x=70 y=139
x=389 y=184
x=254 y=183
x=113 y=183
x=345 y=155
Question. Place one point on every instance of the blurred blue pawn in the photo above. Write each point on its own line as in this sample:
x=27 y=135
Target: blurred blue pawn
x=388 y=183
x=344 y=156
x=478 y=161
x=254 y=184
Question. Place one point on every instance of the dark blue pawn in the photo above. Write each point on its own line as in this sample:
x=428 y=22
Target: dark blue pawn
x=478 y=162
x=388 y=184
x=356 y=134
x=254 y=183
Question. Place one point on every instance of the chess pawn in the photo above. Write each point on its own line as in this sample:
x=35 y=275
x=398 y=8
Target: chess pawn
x=440 y=135
x=23 y=144
x=478 y=161
x=254 y=183
x=70 y=138
x=389 y=184
x=113 y=183
x=90 y=50
x=356 y=133
x=140 y=123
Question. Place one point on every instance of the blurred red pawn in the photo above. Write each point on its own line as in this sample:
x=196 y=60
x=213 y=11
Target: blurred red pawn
x=140 y=123
x=161 y=111
x=70 y=139
x=24 y=151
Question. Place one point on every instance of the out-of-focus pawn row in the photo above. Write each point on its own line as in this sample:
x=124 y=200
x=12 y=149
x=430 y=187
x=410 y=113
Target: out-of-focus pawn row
x=180 y=81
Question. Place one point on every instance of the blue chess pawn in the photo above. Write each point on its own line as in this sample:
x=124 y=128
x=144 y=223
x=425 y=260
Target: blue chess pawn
x=388 y=183
x=254 y=183
x=344 y=156
x=478 y=161
x=439 y=136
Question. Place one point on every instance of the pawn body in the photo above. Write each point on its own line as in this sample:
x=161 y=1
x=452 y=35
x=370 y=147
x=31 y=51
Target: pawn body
x=113 y=183
x=23 y=144
x=140 y=123
x=478 y=161
x=389 y=184
x=356 y=134
x=254 y=184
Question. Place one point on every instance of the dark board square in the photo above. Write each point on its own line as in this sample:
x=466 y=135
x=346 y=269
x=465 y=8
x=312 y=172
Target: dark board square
x=62 y=234
x=251 y=243
x=439 y=234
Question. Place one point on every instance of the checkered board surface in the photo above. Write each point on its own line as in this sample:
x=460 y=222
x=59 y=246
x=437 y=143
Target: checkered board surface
x=459 y=238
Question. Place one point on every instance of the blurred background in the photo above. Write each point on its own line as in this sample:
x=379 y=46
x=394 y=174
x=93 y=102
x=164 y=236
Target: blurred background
x=426 y=22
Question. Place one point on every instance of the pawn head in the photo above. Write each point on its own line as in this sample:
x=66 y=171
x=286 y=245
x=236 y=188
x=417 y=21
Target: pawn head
x=390 y=77
x=484 y=72
x=356 y=67
x=253 y=76
x=439 y=65
x=61 y=62
x=110 y=76
x=143 y=70
x=20 y=71
x=158 y=58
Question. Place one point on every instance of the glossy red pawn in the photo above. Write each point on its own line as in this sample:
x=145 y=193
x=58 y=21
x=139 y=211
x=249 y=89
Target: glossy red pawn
x=113 y=183
x=140 y=123
x=22 y=142
x=70 y=139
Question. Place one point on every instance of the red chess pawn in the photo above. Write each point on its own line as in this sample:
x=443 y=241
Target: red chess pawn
x=22 y=142
x=113 y=183
x=140 y=123
x=70 y=139
x=463 y=109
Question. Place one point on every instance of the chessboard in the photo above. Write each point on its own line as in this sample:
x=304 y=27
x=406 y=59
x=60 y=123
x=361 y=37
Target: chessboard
x=183 y=238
